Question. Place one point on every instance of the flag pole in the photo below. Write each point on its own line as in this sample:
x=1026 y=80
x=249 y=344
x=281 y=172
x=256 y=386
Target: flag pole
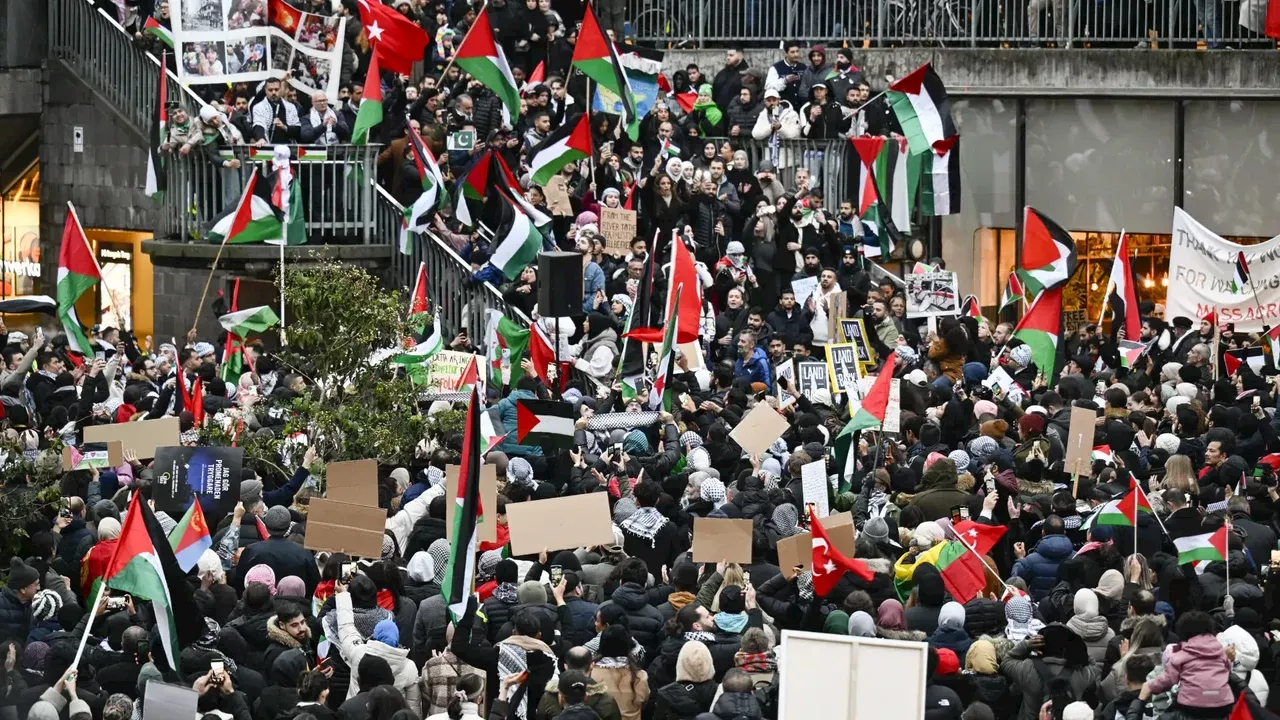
x=92 y=610
x=102 y=280
x=449 y=64
x=283 y=341
x=216 y=258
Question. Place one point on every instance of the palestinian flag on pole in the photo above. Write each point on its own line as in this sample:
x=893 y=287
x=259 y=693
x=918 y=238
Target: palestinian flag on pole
x=233 y=351
x=683 y=273
x=516 y=241
x=286 y=194
x=971 y=307
x=507 y=343
x=548 y=423
x=1048 y=253
x=1013 y=292
x=369 y=114
x=570 y=143
x=868 y=149
x=669 y=149
x=660 y=394
x=887 y=188
x=1131 y=351
x=423 y=351
x=153 y=28
x=542 y=354
x=77 y=272
x=940 y=189
x=1125 y=510
x=871 y=415
x=597 y=58
x=190 y=538
x=251 y=320
x=1254 y=356
x=253 y=218
x=1041 y=328
x=631 y=360
x=1209 y=546
x=157 y=176
x=144 y=566
x=1122 y=294
x=417 y=217
x=920 y=103
x=482 y=57
x=460 y=574
x=1240 y=282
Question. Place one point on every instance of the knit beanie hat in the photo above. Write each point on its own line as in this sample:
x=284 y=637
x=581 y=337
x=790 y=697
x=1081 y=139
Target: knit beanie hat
x=250 y=493
x=277 y=520
x=1168 y=442
x=262 y=574
x=34 y=655
x=21 y=574
x=387 y=633
x=45 y=605
x=876 y=529
x=291 y=586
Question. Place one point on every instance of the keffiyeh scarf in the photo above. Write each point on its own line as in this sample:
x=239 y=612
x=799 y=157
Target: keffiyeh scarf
x=506 y=592
x=645 y=523
x=513 y=659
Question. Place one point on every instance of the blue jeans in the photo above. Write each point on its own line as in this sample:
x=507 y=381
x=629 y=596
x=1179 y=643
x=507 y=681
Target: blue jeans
x=1207 y=16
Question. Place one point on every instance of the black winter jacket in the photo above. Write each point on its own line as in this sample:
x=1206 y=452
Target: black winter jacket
x=684 y=700
x=644 y=620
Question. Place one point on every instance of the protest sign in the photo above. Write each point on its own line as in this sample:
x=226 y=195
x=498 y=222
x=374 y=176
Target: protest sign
x=1202 y=268
x=757 y=431
x=813 y=479
x=556 y=191
x=1079 y=449
x=797 y=550
x=541 y=524
x=893 y=411
x=812 y=377
x=461 y=140
x=618 y=226
x=450 y=371
x=92 y=455
x=854 y=331
x=142 y=437
x=803 y=288
x=693 y=351
x=842 y=359
x=354 y=482
x=212 y=473
x=932 y=294
x=721 y=540
x=164 y=701
x=785 y=369
x=231 y=41
x=345 y=528
x=1000 y=378
x=836 y=310
x=828 y=676
x=488 y=501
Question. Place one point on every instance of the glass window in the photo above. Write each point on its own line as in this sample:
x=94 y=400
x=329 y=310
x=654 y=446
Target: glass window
x=1229 y=180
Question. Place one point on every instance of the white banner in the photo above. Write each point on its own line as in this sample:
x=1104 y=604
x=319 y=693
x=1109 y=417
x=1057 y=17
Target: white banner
x=1202 y=268
x=231 y=41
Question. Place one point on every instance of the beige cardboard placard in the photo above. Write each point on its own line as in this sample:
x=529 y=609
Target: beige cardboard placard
x=721 y=539
x=565 y=523
x=824 y=676
x=354 y=482
x=557 y=193
x=798 y=549
x=342 y=527
x=142 y=437
x=618 y=226
x=759 y=429
x=693 y=351
x=835 y=312
x=488 y=501
x=1079 y=448
x=99 y=454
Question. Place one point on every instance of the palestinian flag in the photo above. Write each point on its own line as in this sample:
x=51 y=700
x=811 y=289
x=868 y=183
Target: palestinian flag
x=920 y=103
x=684 y=274
x=669 y=149
x=233 y=352
x=962 y=571
x=887 y=185
x=507 y=343
x=516 y=241
x=1048 y=253
x=1123 y=296
x=1041 y=328
x=1241 y=280
x=970 y=307
x=845 y=457
x=631 y=366
x=287 y=195
x=415 y=318
x=417 y=217
x=460 y=574
x=1272 y=335
x=252 y=320
x=77 y=272
x=30 y=304
x=157 y=176
x=597 y=58
x=1207 y=547
x=1125 y=510
x=829 y=564
x=369 y=114
x=153 y=28
x=570 y=143
x=977 y=536
x=1131 y=351
x=253 y=218
x=537 y=77
x=482 y=57
x=1013 y=292
x=144 y=566
x=1254 y=356
x=548 y=423
x=190 y=538
x=423 y=351
x=940 y=186
x=660 y=393
x=1103 y=453
x=876 y=403
x=868 y=149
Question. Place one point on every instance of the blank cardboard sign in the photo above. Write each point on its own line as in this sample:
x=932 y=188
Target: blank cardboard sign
x=1079 y=457
x=837 y=677
x=488 y=501
x=759 y=429
x=354 y=482
x=565 y=523
x=345 y=528
x=164 y=701
x=798 y=549
x=142 y=437
x=722 y=539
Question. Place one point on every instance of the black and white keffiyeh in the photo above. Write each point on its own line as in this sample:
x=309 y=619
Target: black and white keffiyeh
x=644 y=523
x=513 y=659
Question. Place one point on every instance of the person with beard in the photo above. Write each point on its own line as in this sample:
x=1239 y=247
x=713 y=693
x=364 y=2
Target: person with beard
x=727 y=83
x=741 y=113
x=791 y=323
x=821 y=118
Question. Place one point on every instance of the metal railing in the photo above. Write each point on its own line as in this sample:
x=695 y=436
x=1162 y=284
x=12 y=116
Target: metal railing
x=826 y=160
x=337 y=196
x=951 y=23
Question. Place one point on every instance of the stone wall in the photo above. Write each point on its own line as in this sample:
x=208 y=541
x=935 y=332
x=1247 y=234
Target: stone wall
x=177 y=291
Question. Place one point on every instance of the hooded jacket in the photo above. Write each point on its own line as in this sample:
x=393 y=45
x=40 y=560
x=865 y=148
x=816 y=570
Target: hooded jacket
x=1246 y=662
x=938 y=493
x=1201 y=670
x=354 y=649
x=1040 y=568
x=598 y=700
x=645 y=622
x=683 y=700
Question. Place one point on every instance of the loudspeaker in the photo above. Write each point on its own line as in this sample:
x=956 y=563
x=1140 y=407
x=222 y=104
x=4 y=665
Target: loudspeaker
x=559 y=284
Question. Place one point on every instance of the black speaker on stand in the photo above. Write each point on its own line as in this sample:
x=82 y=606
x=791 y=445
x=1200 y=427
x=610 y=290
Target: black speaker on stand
x=559 y=284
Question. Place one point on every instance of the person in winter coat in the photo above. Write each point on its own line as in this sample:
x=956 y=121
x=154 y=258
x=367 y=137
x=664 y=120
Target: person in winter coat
x=1062 y=655
x=693 y=689
x=647 y=534
x=736 y=699
x=740 y=117
x=643 y=620
x=950 y=633
x=618 y=670
x=1146 y=643
x=776 y=118
x=1199 y=666
x=940 y=701
x=1040 y=568
x=384 y=644
x=501 y=605
x=1089 y=625
x=985 y=683
x=937 y=492
x=1242 y=649
x=15 y=601
x=506 y=407
x=925 y=606
x=821 y=118
x=524 y=651
x=282 y=555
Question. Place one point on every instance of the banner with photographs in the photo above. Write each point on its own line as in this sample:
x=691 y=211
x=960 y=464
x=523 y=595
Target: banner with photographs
x=229 y=41
x=932 y=294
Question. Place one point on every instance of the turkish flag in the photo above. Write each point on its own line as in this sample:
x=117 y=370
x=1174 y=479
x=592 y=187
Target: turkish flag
x=397 y=41
x=979 y=537
x=829 y=565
